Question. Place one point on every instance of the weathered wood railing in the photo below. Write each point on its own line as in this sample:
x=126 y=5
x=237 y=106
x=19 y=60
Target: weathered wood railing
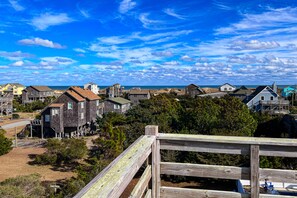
x=113 y=180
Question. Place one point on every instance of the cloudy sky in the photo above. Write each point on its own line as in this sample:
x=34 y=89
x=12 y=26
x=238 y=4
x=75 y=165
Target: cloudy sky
x=148 y=42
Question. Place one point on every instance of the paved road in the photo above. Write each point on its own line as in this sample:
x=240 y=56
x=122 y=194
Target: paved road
x=16 y=124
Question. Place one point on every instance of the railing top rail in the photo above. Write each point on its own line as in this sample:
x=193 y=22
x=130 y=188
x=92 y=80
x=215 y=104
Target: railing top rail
x=228 y=139
x=113 y=180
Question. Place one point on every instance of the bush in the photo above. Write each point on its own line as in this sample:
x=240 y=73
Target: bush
x=5 y=143
x=62 y=151
x=22 y=187
x=15 y=116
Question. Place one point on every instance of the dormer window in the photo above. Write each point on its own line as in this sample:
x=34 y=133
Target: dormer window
x=271 y=98
x=262 y=98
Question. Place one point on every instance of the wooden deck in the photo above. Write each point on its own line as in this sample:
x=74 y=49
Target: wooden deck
x=113 y=180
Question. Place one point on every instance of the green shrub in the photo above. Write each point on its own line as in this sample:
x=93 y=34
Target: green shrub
x=62 y=151
x=5 y=143
x=22 y=187
x=15 y=116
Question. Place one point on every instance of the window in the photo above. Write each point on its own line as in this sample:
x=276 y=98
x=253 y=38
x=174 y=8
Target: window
x=116 y=106
x=230 y=88
x=262 y=98
x=55 y=112
x=82 y=105
x=97 y=103
x=271 y=98
x=225 y=88
x=82 y=115
x=69 y=105
x=47 y=118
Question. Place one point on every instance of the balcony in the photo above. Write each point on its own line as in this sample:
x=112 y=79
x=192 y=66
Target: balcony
x=114 y=179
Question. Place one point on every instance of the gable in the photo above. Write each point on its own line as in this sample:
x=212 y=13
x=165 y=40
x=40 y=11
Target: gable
x=266 y=91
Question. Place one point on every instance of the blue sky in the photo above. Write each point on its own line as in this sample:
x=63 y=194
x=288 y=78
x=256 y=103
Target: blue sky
x=138 y=42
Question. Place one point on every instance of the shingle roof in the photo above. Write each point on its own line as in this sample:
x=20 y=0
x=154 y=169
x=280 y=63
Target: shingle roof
x=15 y=84
x=75 y=96
x=85 y=93
x=56 y=105
x=119 y=100
x=138 y=92
x=256 y=92
x=228 y=84
x=41 y=88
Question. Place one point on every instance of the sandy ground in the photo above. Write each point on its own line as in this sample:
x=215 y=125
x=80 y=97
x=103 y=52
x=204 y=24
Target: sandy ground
x=16 y=163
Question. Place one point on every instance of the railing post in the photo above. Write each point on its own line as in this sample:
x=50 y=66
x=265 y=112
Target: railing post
x=153 y=130
x=254 y=168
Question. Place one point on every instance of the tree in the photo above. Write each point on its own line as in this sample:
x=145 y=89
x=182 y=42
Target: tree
x=5 y=143
x=110 y=142
x=63 y=151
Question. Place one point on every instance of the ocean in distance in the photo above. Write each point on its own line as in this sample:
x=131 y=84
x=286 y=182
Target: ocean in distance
x=161 y=87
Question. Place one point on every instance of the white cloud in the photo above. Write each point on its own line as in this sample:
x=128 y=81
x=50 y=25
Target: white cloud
x=186 y=58
x=41 y=42
x=149 y=23
x=273 y=18
x=56 y=60
x=163 y=54
x=221 y=6
x=113 y=40
x=17 y=55
x=83 y=12
x=46 y=20
x=79 y=50
x=15 y=4
x=18 y=63
x=3 y=67
x=253 y=45
x=171 y=12
x=126 y=6
x=171 y=63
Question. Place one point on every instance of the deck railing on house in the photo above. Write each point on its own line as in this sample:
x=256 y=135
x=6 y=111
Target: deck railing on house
x=114 y=179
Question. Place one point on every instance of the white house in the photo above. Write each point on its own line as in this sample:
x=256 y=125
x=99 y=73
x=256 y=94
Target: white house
x=264 y=99
x=93 y=87
x=227 y=87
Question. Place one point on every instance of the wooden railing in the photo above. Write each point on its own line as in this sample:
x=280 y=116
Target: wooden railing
x=114 y=179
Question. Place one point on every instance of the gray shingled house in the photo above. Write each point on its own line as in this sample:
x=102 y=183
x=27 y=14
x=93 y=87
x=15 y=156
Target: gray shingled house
x=118 y=105
x=193 y=90
x=73 y=113
x=34 y=93
x=135 y=95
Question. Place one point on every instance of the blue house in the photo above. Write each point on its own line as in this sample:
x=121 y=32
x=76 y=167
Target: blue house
x=287 y=91
x=265 y=99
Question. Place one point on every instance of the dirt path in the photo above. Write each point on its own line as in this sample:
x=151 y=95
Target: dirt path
x=16 y=163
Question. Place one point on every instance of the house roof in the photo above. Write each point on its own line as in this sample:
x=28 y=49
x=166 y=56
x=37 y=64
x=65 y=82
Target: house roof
x=195 y=87
x=56 y=105
x=138 y=92
x=14 y=84
x=41 y=88
x=75 y=96
x=228 y=84
x=242 y=91
x=85 y=93
x=258 y=90
x=91 y=83
x=192 y=85
x=119 y=100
